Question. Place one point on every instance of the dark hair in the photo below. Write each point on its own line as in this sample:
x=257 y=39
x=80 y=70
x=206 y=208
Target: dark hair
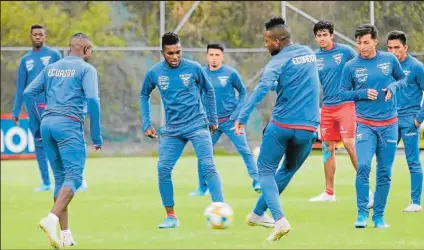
x=215 y=46
x=365 y=29
x=274 y=21
x=324 y=25
x=397 y=35
x=170 y=38
x=80 y=35
x=37 y=26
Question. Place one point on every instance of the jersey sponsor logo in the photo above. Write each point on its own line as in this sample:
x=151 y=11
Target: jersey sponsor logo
x=223 y=80
x=304 y=59
x=407 y=72
x=338 y=58
x=361 y=74
x=392 y=141
x=385 y=67
x=185 y=78
x=45 y=60
x=29 y=64
x=64 y=73
x=320 y=63
x=163 y=82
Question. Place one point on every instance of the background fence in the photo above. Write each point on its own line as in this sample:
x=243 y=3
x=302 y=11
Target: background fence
x=127 y=38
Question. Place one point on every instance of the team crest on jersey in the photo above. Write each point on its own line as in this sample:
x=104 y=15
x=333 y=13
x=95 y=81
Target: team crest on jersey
x=163 y=82
x=338 y=58
x=361 y=74
x=407 y=72
x=29 y=64
x=320 y=63
x=223 y=80
x=45 y=60
x=185 y=78
x=385 y=67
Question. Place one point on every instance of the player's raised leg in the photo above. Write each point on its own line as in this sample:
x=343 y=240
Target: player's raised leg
x=202 y=144
x=240 y=143
x=410 y=137
x=202 y=190
x=170 y=149
x=386 y=152
x=366 y=146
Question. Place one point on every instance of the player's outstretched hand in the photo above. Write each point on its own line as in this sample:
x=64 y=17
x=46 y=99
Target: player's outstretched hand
x=213 y=128
x=15 y=120
x=372 y=94
x=238 y=127
x=97 y=147
x=388 y=94
x=151 y=132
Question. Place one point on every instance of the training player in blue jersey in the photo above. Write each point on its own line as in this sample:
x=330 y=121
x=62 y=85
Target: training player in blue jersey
x=291 y=131
x=225 y=80
x=371 y=80
x=180 y=82
x=71 y=87
x=338 y=118
x=32 y=63
x=410 y=113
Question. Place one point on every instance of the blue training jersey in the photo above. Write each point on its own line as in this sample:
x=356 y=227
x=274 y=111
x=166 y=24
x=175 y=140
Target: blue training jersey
x=330 y=66
x=409 y=99
x=225 y=80
x=31 y=64
x=380 y=72
x=180 y=90
x=298 y=88
x=71 y=85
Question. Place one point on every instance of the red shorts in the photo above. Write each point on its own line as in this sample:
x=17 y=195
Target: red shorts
x=338 y=121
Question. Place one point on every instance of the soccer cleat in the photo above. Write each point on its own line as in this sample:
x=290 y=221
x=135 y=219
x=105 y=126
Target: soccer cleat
x=361 y=221
x=370 y=204
x=256 y=220
x=170 y=222
x=83 y=186
x=282 y=227
x=199 y=192
x=323 y=197
x=42 y=188
x=66 y=239
x=49 y=226
x=257 y=187
x=413 y=208
x=379 y=223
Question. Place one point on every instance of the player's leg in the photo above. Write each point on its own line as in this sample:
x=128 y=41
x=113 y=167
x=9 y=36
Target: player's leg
x=240 y=143
x=42 y=162
x=203 y=187
x=386 y=152
x=330 y=134
x=411 y=139
x=366 y=145
x=346 y=118
x=202 y=144
x=170 y=149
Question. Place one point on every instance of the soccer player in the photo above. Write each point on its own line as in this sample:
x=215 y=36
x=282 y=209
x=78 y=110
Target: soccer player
x=31 y=64
x=180 y=82
x=371 y=79
x=291 y=131
x=225 y=80
x=71 y=87
x=410 y=113
x=338 y=118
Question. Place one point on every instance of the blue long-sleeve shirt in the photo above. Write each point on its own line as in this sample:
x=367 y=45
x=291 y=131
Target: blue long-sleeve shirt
x=409 y=99
x=225 y=80
x=380 y=72
x=330 y=66
x=71 y=87
x=31 y=64
x=298 y=88
x=180 y=89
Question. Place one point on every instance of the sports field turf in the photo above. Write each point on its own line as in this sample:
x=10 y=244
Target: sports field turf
x=122 y=208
